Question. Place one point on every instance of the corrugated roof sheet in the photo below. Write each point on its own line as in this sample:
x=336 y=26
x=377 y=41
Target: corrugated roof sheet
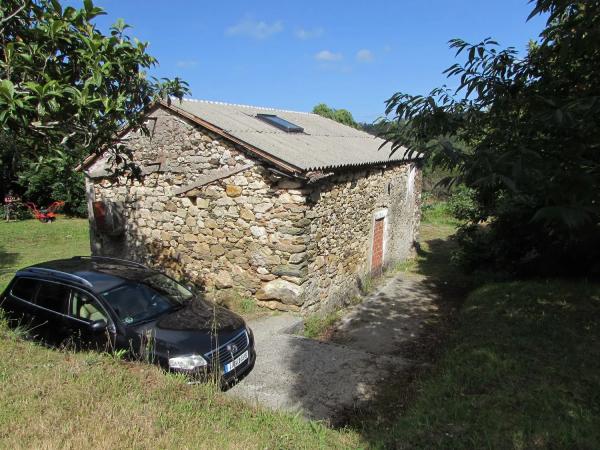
x=324 y=144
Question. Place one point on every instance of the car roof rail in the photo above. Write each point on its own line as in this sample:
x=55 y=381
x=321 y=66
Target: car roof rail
x=110 y=258
x=58 y=273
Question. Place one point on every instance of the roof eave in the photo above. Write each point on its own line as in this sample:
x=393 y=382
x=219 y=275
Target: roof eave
x=361 y=165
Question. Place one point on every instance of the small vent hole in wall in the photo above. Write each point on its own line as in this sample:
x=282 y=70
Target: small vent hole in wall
x=314 y=197
x=389 y=188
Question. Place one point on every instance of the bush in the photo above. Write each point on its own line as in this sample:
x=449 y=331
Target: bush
x=19 y=212
x=433 y=182
x=463 y=205
x=55 y=180
x=436 y=212
x=518 y=246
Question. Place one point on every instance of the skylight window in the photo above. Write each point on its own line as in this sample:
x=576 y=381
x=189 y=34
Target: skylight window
x=280 y=123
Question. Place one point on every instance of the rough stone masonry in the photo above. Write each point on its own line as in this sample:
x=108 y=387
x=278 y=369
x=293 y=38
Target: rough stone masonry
x=207 y=210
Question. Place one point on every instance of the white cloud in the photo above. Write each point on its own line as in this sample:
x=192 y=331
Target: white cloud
x=364 y=55
x=186 y=63
x=326 y=55
x=257 y=29
x=304 y=34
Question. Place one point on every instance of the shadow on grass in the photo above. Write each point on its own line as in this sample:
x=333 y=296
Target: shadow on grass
x=433 y=281
x=7 y=261
x=530 y=349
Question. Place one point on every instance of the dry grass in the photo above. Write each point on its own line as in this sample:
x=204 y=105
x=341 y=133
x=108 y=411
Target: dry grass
x=52 y=399
x=57 y=399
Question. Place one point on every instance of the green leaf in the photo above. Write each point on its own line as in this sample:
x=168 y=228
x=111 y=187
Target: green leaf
x=57 y=6
x=7 y=89
x=570 y=216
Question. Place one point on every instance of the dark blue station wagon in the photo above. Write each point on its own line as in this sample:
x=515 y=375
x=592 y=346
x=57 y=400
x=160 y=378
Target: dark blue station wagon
x=111 y=304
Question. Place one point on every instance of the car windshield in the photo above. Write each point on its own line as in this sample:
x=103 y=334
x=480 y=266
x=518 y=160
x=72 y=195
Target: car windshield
x=140 y=301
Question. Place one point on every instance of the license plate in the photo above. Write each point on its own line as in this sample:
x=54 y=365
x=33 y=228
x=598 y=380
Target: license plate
x=236 y=362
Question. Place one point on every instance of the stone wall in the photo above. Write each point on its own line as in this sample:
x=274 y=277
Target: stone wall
x=342 y=217
x=239 y=232
x=289 y=244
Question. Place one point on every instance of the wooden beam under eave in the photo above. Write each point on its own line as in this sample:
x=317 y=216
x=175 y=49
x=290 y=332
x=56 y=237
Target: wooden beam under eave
x=211 y=177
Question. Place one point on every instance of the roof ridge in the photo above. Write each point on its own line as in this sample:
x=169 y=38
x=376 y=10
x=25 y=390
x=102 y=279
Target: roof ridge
x=239 y=105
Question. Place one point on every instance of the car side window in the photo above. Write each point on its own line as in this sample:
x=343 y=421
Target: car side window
x=53 y=296
x=25 y=289
x=85 y=307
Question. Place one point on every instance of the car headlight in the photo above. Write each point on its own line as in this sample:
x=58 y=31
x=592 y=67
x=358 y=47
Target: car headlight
x=187 y=362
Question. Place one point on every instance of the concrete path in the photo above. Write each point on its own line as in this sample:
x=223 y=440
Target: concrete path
x=321 y=380
x=394 y=316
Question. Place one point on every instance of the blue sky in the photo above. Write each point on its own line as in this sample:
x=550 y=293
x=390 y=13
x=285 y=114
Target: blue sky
x=349 y=54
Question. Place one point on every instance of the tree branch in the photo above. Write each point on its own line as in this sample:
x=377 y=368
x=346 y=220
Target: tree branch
x=6 y=19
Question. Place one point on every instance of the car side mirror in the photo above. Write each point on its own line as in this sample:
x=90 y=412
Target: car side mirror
x=98 y=326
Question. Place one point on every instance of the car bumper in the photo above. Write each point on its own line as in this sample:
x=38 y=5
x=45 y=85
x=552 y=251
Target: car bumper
x=240 y=372
x=226 y=380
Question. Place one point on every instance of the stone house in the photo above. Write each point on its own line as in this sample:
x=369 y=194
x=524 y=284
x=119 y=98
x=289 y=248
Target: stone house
x=290 y=208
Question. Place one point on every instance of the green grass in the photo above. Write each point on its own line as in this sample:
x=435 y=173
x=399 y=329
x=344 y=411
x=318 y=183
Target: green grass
x=237 y=302
x=519 y=366
x=434 y=254
x=522 y=370
x=29 y=242
x=52 y=399
x=437 y=213
x=316 y=325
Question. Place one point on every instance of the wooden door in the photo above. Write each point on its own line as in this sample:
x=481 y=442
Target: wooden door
x=377 y=258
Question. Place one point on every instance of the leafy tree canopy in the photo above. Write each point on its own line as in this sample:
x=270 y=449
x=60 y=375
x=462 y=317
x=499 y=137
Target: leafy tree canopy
x=524 y=133
x=65 y=85
x=66 y=89
x=339 y=115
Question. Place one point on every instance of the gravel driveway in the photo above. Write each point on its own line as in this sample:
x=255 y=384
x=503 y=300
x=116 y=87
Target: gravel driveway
x=321 y=380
